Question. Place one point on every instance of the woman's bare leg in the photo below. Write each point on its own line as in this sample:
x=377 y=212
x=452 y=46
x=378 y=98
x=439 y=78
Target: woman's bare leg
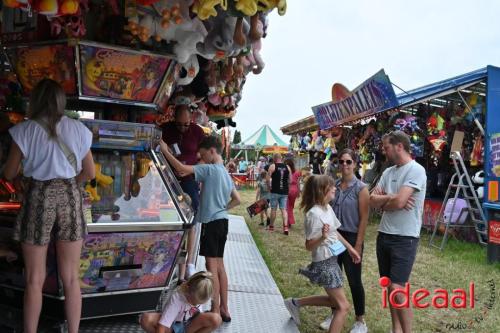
x=35 y=258
x=68 y=263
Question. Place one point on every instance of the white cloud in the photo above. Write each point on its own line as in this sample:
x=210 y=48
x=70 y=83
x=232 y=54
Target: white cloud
x=320 y=42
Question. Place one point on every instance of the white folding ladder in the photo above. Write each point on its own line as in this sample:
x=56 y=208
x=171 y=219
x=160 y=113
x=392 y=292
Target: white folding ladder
x=461 y=187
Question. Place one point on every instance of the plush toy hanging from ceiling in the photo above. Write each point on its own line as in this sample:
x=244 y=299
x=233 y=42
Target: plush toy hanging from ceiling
x=169 y=20
x=187 y=71
x=477 y=109
x=409 y=125
x=329 y=146
x=312 y=143
x=436 y=135
x=268 y=5
x=368 y=142
x=295 y=142
x=205 y=9
x=70 y=20
x=306 y=141
x=220 y=42
x=247 y=14
x=255 y=59
x=154 y=18
x=64 y=15
x=477 y=153
x=50 y=8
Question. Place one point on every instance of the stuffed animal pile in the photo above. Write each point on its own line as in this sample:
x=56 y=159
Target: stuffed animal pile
x=215 y=43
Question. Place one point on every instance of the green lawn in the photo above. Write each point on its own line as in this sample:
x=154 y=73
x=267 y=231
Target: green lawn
x=459 y=264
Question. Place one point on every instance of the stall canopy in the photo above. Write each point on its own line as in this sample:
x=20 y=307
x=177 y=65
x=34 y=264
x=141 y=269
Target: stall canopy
x=265 y=138
x=408 y=98
x=441 y=88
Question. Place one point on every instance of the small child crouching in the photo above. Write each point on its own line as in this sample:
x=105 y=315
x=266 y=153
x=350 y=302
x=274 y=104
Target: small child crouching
x=182 y=311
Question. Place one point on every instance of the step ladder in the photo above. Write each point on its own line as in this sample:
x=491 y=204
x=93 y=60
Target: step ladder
x=461 y=187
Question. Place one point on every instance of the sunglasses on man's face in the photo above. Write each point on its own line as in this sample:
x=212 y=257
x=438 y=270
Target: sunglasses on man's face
x=348 y=162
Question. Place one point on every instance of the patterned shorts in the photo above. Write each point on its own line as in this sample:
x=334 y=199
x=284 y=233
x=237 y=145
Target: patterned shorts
x=51 y=207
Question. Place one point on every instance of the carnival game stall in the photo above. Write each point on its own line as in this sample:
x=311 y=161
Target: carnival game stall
x=126 y=64
x=455 y=112
x=263 y=142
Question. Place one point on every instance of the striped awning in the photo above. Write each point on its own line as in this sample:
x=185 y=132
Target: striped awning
x=264 y=137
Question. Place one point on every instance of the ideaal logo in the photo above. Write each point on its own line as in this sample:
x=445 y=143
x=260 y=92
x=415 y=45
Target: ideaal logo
x=460 y=299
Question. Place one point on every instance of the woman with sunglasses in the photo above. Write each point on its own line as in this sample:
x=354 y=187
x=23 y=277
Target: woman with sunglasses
x=351 y=206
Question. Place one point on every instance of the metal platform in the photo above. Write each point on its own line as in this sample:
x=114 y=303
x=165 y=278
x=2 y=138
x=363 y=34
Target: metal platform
x=255 y=302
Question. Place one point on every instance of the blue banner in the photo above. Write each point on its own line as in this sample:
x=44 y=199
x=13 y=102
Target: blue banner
x=372 y=96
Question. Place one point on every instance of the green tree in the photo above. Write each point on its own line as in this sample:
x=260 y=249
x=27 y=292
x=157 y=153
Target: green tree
x=237 y=137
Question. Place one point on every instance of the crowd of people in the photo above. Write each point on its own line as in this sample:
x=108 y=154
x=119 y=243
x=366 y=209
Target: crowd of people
x=56 y=157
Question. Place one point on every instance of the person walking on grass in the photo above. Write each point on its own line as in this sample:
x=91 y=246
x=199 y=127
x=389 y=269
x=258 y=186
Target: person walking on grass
x=400 y=194
x=321 y=232
x=218 y=195
x=263 y=193
x=293 y=191
x=351 y=206
x=279 y=178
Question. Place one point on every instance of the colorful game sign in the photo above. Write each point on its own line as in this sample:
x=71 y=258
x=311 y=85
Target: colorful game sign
x=56 y=62
x=121 y=74
x=122 y=261
x=495 y=155
x=372 y=96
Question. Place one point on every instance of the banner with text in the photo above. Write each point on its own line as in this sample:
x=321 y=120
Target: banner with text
x=372 y=96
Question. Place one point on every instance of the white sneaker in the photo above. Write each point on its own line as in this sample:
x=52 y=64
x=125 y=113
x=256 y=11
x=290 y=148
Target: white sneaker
x=359 y=327
x=325 y=324
x=294 y=310
x=190 y=270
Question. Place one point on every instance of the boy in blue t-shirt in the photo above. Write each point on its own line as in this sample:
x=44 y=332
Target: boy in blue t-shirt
x=218 y=195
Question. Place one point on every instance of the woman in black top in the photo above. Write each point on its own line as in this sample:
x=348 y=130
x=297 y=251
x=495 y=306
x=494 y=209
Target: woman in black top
x=279 y=178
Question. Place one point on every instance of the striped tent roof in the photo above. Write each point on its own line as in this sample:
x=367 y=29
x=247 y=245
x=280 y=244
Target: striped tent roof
x=264 y=137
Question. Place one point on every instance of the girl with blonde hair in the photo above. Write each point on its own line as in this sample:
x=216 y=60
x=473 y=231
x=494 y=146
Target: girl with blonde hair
x=182 y=311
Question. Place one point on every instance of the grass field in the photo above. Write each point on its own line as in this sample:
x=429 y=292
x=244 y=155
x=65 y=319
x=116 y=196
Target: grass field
x=455 y=267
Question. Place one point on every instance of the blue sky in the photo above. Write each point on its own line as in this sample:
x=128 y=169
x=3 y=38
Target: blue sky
x=320 y=42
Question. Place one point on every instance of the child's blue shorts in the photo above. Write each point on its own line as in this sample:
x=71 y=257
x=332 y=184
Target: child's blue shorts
x=179 y=327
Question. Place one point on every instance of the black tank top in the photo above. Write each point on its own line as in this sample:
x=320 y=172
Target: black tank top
x=279 y=179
